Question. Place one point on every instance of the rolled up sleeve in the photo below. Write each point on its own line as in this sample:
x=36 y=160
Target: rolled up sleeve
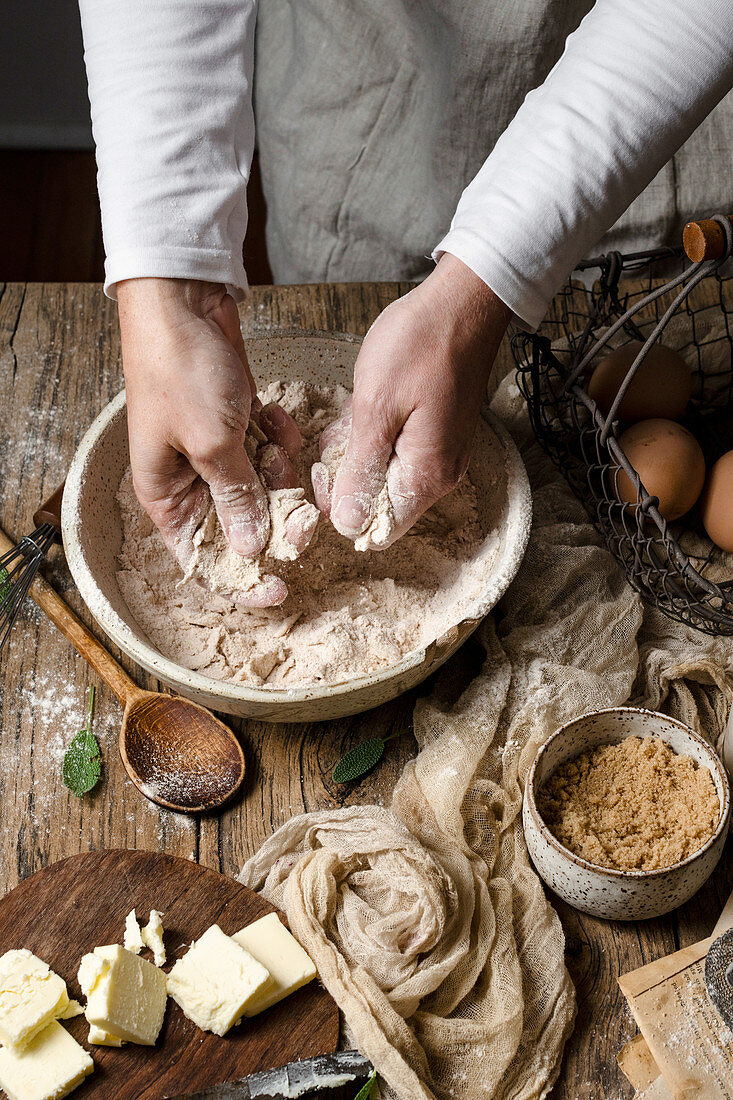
x=634 y=81
x=170 y=86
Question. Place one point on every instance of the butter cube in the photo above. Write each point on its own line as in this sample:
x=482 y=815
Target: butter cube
x=133 y=941
x=152 y=937
x=31 y=995
x=101 y=1038
x=269 y=941
x=49 y=1066
x=215 y=980
x=125 y=994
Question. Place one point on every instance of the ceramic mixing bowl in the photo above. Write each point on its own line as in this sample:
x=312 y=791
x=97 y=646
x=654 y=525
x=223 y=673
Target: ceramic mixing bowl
x=600 y=891
x=93 y=534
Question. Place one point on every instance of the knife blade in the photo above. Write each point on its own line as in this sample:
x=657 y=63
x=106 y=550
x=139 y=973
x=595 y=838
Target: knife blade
x=327 y=1071
x=719 y=976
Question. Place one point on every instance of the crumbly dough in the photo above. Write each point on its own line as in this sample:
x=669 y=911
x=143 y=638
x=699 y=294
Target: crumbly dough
x=212 y=560
x=222 y=570
x=346 y=612
x=382 y=523
x=633 y=806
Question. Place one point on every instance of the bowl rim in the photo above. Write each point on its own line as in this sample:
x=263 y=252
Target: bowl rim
x=144 y=653
x=613 y=872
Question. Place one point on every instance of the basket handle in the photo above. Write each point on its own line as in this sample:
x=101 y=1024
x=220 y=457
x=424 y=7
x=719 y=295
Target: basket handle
x=704 y=240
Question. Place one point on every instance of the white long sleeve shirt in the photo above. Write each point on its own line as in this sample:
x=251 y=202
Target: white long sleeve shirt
x=349 y=141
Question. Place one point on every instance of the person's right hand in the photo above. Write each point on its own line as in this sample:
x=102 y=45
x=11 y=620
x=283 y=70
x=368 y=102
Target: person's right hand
x=190 y=398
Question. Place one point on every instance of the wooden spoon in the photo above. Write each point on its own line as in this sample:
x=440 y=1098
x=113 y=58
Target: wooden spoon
x=176 y=752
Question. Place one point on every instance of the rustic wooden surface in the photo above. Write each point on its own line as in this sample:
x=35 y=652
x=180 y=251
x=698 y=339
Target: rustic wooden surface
x=84 y=901
x=59 y=365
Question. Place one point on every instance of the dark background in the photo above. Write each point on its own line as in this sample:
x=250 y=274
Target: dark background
x=50 y=227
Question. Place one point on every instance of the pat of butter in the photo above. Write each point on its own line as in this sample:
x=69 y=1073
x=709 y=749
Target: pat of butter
x=133 y=941
x=72 y=1009
x=152 y=936
x=215 y=980
x=31 y=995
x=269 y=941
x=49 y=1067
x=101 y=1038
x=125 y=994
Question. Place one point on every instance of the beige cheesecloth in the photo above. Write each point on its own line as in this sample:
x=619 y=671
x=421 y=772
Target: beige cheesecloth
x=425 y=920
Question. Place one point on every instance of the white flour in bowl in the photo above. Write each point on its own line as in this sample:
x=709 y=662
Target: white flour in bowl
x=346 y=613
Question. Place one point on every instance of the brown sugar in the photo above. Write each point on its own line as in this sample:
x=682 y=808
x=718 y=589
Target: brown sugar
x=633 y=806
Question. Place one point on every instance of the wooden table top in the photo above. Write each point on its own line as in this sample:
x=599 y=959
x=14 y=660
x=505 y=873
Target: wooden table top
x=59 y=365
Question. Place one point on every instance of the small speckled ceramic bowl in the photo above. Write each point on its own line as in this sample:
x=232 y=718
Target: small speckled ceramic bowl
x=600 y=891
x=92 y=530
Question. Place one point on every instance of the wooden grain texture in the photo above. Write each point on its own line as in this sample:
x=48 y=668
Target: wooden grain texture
x=59 y=364
x=175 y=751
x=55 y=608
x=84 y=901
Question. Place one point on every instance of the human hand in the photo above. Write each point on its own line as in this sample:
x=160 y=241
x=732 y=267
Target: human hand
x=419 y=381
x=190 y=398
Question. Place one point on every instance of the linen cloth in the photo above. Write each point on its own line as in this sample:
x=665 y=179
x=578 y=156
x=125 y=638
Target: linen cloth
x=425 y=919
x=392 y=131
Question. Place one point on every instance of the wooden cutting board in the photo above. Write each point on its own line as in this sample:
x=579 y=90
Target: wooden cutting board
x=80 y=903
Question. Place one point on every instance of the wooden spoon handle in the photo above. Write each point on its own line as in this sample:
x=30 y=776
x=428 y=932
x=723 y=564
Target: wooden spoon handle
x=704 y=240
x=50 y=512
x=82 y=639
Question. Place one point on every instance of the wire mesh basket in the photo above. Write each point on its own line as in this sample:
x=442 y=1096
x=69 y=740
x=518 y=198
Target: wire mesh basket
x=655 y=296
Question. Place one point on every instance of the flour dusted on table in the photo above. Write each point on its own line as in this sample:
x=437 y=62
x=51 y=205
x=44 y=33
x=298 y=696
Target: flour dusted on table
x=346 y=612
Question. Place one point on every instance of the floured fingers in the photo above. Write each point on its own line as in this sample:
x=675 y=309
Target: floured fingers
x=277 y=472
x=275 y=468
x=332 y=447
x=300 y=526
x=280 y=428
x=270 y=591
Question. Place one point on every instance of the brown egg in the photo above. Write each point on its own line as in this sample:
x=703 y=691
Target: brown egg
x=661 y=387
x=717 y=503
x=669 y=461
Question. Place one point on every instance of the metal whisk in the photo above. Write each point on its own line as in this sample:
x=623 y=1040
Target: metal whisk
x=20 y=562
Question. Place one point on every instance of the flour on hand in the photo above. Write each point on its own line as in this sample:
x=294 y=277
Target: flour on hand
x=345 y=613
x=381 y=527
x=206 y=556
x=211 y=560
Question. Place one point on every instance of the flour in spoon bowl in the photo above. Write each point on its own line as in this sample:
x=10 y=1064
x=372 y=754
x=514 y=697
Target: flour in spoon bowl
x=346 y=613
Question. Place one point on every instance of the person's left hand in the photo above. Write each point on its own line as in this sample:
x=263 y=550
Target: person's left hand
x=419 y=381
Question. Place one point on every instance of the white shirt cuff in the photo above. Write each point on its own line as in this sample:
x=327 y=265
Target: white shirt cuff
x=506 y=281
x=209 y=265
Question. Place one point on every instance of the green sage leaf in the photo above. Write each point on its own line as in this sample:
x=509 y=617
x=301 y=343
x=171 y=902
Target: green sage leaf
x=4 y=583
x=82 y=765
x=359 y=760
x=367 y=1088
